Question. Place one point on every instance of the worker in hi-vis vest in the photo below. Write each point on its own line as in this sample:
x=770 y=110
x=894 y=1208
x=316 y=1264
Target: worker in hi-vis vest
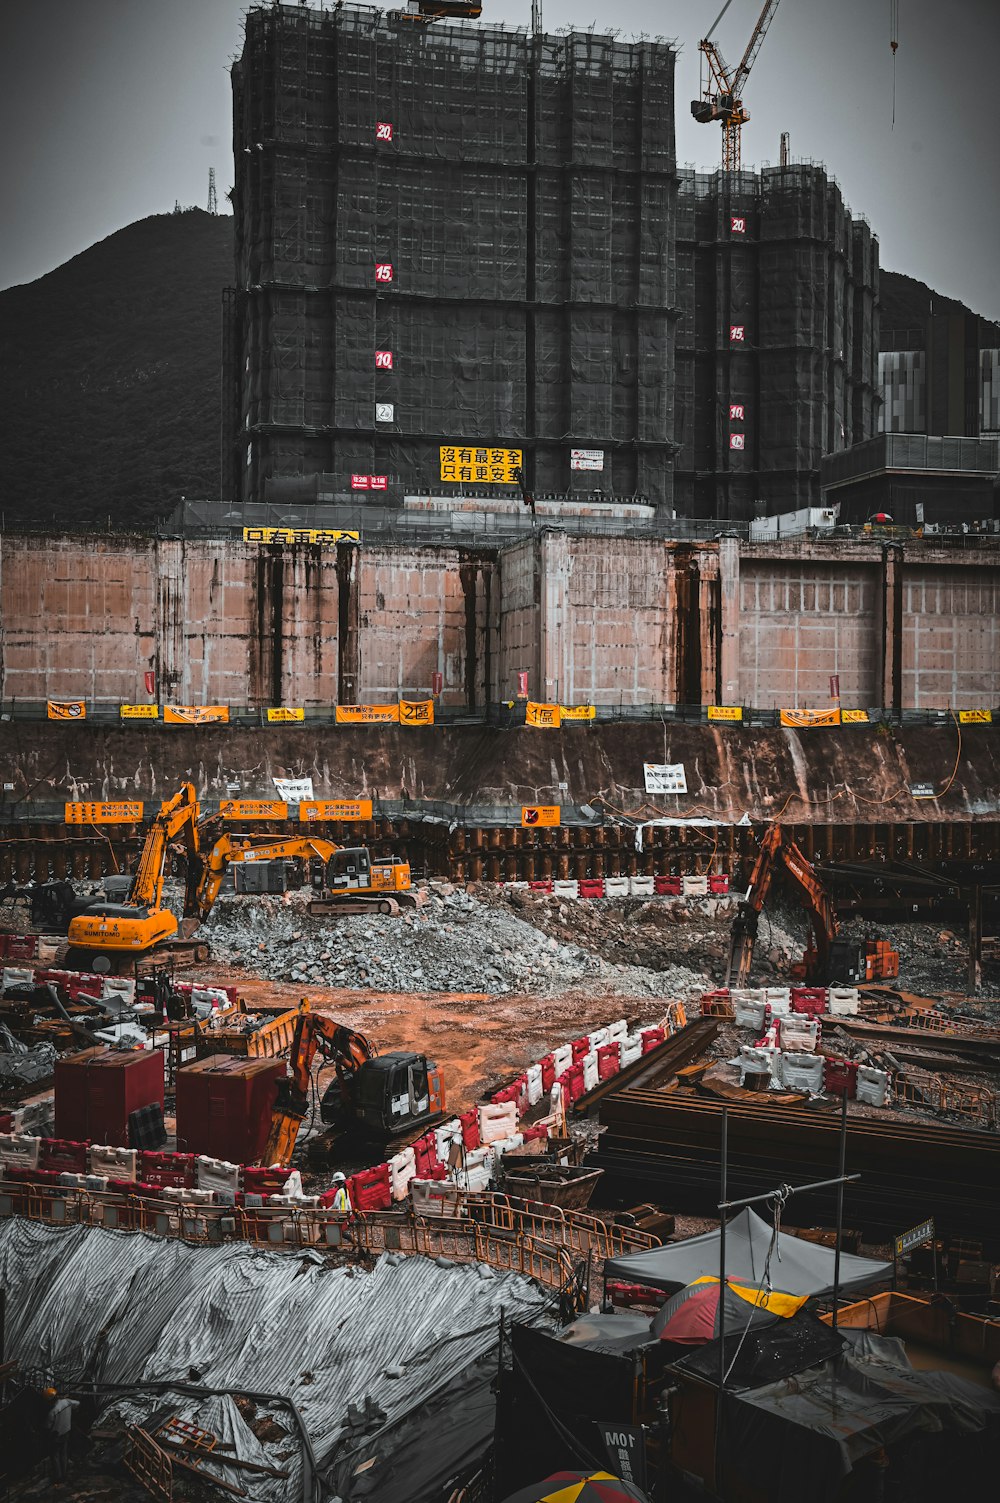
x=341 y=1199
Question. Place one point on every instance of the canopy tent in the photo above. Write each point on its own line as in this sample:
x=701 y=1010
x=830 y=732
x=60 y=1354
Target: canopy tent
x=797 y=1267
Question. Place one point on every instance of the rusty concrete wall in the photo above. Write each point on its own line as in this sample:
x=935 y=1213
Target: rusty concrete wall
x=618 y=637
x=415 y=606
x=518 y=620
x=950 y=635
x=802 y=621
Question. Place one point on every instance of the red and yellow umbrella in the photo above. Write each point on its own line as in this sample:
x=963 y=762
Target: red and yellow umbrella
x=580 y=1487
x=691 y=1316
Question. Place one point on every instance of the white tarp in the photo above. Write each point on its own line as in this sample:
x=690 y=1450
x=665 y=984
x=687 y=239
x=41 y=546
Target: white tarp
x=294 y=790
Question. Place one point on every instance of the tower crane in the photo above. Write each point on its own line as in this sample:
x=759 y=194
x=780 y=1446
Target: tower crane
x=722 y=90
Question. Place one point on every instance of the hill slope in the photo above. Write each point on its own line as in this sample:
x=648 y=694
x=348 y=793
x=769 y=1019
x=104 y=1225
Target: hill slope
x=109 y=375
x=907 y=303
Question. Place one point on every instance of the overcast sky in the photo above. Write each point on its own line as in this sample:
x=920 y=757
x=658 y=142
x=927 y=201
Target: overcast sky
x=111 y=110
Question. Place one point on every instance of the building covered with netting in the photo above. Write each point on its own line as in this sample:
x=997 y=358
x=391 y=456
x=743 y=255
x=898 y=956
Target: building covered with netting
x=454 y=260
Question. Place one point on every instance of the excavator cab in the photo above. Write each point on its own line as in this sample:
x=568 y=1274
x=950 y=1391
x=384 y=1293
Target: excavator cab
x=388 y=1096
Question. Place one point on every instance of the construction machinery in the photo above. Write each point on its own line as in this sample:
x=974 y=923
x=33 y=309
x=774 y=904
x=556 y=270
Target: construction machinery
x=830 y=957
x=380 y=1097
x=348 y=881
x=721 y=90
x=108 y=932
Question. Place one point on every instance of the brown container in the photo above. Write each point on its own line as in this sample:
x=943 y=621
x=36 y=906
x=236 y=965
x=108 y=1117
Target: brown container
x=224 y=1106
x=98 y=1088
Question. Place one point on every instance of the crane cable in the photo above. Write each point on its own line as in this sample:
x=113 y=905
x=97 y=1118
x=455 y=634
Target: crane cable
x=893 y=43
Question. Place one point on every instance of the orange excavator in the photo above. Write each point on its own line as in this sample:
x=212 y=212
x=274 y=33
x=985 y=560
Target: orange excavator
x=830 y=957
x=380 y=1097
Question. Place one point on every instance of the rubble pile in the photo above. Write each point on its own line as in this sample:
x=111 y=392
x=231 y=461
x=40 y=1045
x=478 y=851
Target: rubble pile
x=456 y=942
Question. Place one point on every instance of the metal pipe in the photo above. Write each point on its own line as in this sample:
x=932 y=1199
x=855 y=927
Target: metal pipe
x=788 y=1190
x=840 y=1205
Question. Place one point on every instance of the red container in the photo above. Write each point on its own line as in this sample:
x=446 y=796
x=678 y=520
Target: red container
x=840 y=1077
x=591 y=887
x=64 y=1157
x=718 y=885
x=609 y=1060
x=470 y=1128
x=224 y=1106
x=667 y=887
x=581 y=1048
x=652 y=1038
x=96 y=1091
x=177 y=1170
x=371 y=1189
x=548 y=1066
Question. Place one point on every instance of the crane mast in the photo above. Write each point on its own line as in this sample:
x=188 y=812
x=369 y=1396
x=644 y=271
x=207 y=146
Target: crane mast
x=722 y=90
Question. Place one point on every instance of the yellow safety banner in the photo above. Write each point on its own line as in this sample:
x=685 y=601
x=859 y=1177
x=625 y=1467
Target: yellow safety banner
x=854 y=717
x=725 y=712
x=462 y=462
x=975 y=717
x=103 y=814
x=366 y=714
x=139 y=712
x=544 y=717
x=416 y=712
x=253 y=808
x=283 y=712
x=299 y=535
x=66 y=709
x=809 y=717
x=534 y=816
x=335 y=808
x=577 y=712
x=195 y=714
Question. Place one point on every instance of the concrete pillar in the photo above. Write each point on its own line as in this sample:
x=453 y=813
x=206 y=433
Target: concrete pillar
x=172 y=673
x=555 y=632
x=729 y=624
x=892 y=629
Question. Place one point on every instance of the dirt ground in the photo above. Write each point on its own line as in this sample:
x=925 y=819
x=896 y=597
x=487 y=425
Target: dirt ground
x=477 y=1040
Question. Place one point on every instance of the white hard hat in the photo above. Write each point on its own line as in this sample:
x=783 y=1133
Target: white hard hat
x=338 y=1179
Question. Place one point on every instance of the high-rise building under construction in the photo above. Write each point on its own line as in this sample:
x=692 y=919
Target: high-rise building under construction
x=463 y=251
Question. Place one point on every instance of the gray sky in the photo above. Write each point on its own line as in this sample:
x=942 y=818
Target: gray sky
x=111 y=110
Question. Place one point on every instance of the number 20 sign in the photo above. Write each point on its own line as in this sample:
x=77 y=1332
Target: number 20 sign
x=383 y=130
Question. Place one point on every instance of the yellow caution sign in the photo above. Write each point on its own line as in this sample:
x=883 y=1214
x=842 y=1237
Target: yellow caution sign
x=366 y=714
x=809 y=717
x=854 y=717
x=416 y=712
x=103 y=814
x=335 y=808
x=725 y=712
x=66 y=709
x=536 y=816
x=253 y=808
x=299 y=535
x=975 y=717
x=139 y=712
x=543 y=717
x=473 y=463
x=577 y=712
x=284 y=712
x=195 y=714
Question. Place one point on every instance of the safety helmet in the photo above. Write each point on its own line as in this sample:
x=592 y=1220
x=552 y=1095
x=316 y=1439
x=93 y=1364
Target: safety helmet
x=338 y=1179
x=49 y=1393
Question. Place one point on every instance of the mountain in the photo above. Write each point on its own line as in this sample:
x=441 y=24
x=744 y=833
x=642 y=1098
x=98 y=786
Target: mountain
x=907 y=304
x=110 y=372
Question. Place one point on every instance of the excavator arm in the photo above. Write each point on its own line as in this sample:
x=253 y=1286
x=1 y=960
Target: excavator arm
x=744 y=932
x=341 y=1046
x=177 y=818
x=815 y=899
x=210 y=865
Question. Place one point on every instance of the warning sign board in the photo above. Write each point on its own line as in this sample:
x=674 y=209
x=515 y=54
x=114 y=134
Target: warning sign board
x=139 y=712
x=195 y=714
x=103 y=814
x=416 y=712
x=299 y=535
x=800 y=718
x=535 y=816
x=335 y=808
x=253 y=808
x=462 y=463
x=366 y=714
x=66 y=709
x=577 y=712
x=975 y=717
x=543 y=717
x=664 y=777
x=725 y=712
x=286 y=712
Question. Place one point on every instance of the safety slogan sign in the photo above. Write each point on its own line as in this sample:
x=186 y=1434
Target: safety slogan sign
x=285 y=712
x=253 y=808
x=538 y=815
x=366 y=714
x=335 y=808
x=103 y=814
x=139 y=712
x=195 y=714
x=725 y=712
x=66 y=709
x=489 y=466
x=543 y=717
x=799 y=718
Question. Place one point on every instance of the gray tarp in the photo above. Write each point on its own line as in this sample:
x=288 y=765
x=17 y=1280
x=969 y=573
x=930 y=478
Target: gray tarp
x=797 y=1267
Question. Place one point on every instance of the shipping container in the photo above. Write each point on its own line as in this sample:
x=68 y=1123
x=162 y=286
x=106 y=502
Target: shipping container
x=98 y=1089
x=224 y=1106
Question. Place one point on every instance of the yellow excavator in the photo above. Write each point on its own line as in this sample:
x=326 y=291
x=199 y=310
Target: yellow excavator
x=109 y=934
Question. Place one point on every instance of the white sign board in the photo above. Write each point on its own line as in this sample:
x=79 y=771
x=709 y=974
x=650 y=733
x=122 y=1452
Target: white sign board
x=384 y=412
x=665 y=777
x=586 y=459
x=294 y=790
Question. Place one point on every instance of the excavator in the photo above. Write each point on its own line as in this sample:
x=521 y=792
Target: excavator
x=381 y=1097
x=830 y=957
x=112 y=933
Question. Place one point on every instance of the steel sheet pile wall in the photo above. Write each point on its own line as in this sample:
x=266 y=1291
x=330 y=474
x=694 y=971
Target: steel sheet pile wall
x=525 y=205
x=777 y=342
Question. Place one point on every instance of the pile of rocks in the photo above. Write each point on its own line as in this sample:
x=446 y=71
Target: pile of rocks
x=453 y=943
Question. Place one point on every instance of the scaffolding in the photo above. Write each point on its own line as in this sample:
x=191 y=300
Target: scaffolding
x=776 y=359
x=519 y=191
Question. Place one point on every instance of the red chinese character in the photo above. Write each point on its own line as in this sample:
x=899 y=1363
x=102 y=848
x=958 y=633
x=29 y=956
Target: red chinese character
x=359 y=482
